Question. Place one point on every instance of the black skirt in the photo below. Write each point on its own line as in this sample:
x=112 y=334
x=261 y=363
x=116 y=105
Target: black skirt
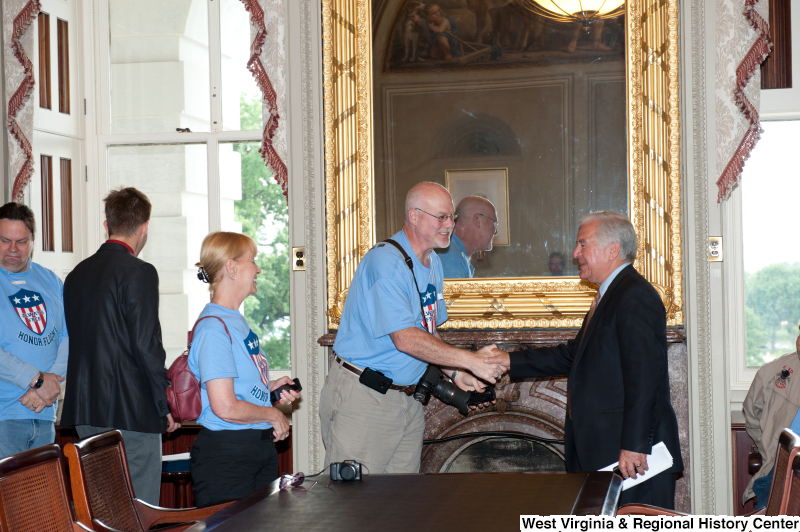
x=227 y=465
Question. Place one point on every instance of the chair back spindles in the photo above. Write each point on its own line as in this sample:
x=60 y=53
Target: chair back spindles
x=793 y=504
x=107 y=490
x=102 y=490
x=101 y=486
x=778 y=481
x=782 y=473
x=32 y=493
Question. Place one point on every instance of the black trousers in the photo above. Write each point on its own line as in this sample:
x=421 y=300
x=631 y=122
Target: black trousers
x=658 y=491
x=228 y=464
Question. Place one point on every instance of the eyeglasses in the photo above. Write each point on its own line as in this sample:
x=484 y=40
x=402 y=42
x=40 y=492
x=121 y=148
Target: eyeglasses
x=443 y=218
x=296 y=480
x=495 y=222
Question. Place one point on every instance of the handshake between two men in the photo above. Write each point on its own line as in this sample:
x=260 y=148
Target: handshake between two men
x=631 y=463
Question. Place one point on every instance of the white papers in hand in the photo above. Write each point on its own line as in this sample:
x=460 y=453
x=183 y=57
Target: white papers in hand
x=181 y=456
x=660 y=460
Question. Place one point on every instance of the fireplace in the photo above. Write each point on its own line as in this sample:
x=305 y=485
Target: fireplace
x=533 y=407
x=486 y=454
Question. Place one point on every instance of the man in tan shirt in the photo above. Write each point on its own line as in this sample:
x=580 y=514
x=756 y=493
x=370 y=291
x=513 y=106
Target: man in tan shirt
x=770 y=406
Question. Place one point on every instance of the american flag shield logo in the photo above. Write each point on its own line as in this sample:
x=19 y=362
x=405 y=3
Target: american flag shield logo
x=428 y=299
x=253 y=346
x=31 y=309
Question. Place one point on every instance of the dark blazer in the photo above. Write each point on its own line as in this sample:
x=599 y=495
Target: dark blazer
x=116 y=362
x=618 y=379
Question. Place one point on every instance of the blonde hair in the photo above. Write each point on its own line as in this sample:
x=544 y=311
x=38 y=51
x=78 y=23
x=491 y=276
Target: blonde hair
x=217 y=248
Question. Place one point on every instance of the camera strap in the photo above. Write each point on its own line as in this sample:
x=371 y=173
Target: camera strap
x=410 y=264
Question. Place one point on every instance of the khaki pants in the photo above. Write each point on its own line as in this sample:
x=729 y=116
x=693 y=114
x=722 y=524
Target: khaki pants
x=382 y=432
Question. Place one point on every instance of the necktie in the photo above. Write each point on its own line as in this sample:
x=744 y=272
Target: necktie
x=593 y=307
x=586 y=323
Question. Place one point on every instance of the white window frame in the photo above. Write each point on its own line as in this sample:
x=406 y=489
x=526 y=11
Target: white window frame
x=212 y=139
x=733 y=268
x=776 y=105
x=741 y=375
x=103 y=139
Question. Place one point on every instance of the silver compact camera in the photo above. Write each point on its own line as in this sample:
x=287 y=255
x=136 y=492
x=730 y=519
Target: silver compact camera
x=347 y=470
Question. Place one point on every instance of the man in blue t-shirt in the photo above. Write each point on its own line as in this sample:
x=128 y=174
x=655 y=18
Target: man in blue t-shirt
x=389 y=326
x=476 y=227
x=33 y=337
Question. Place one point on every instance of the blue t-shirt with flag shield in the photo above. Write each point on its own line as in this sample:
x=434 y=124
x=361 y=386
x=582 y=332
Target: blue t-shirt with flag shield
x=214 y=356
x=383 y=298
x=33 y=326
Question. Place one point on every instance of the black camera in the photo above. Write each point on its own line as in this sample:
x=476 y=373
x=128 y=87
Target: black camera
x=347 y=470
x=434 y=383
x=275 y=395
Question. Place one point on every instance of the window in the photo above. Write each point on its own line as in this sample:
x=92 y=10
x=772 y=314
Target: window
x=44 y=61
x=239 y=89
x=66 y=205
x=771 y=259
x=63 y=66
x=260 y=212
x=48 y=234
x=182 y=123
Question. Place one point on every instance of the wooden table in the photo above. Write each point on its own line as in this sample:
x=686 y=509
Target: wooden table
x=422 y=502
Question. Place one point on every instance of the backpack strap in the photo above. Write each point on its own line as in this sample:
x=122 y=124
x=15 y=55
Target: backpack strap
x=191 y=333
x=410 y=264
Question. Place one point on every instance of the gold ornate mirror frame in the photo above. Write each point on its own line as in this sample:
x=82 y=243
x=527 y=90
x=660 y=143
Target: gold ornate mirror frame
x=502 y=303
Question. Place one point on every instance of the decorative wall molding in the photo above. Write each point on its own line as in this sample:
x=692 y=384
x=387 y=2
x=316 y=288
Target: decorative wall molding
x=703 y=465
x=312 y=228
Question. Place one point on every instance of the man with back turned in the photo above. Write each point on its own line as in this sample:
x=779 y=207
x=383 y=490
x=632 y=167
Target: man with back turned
x=618 y=399
x=116 y=363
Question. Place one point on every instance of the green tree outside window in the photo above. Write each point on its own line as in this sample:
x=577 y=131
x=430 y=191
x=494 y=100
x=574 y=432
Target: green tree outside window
x=772 y=311
x=264 y=216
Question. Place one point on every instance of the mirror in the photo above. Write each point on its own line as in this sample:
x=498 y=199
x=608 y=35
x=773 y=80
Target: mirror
x=524 y=110
x=491 y=98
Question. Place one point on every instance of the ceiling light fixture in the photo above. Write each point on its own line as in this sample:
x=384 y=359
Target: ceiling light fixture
x=582 y=11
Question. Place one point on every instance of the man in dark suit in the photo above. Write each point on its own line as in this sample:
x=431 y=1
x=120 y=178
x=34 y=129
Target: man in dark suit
x=618 y=399
x=117 y=378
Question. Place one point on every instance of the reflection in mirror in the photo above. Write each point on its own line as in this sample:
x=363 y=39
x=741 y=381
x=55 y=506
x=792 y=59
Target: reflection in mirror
x=491 y=98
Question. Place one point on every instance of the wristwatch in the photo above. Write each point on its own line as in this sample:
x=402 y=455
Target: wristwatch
x=39 y=381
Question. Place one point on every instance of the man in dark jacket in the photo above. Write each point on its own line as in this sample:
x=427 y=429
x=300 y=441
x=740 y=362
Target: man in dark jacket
x=116 y=360
x=618 y=400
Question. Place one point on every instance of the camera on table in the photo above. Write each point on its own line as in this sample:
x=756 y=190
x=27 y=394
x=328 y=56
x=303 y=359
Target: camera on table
x=347 y=470
x=434 y=383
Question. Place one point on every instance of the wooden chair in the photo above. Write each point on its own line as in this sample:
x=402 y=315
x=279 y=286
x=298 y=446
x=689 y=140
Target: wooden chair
x=784 y=492
x=102 y=490
x=33 y=496
x=793 y=500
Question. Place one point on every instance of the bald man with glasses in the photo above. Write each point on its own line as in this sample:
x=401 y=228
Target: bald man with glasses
x=388 y=328
x=475 y=228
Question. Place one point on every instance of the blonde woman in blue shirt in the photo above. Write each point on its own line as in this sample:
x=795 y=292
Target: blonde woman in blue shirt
x=234 y=454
